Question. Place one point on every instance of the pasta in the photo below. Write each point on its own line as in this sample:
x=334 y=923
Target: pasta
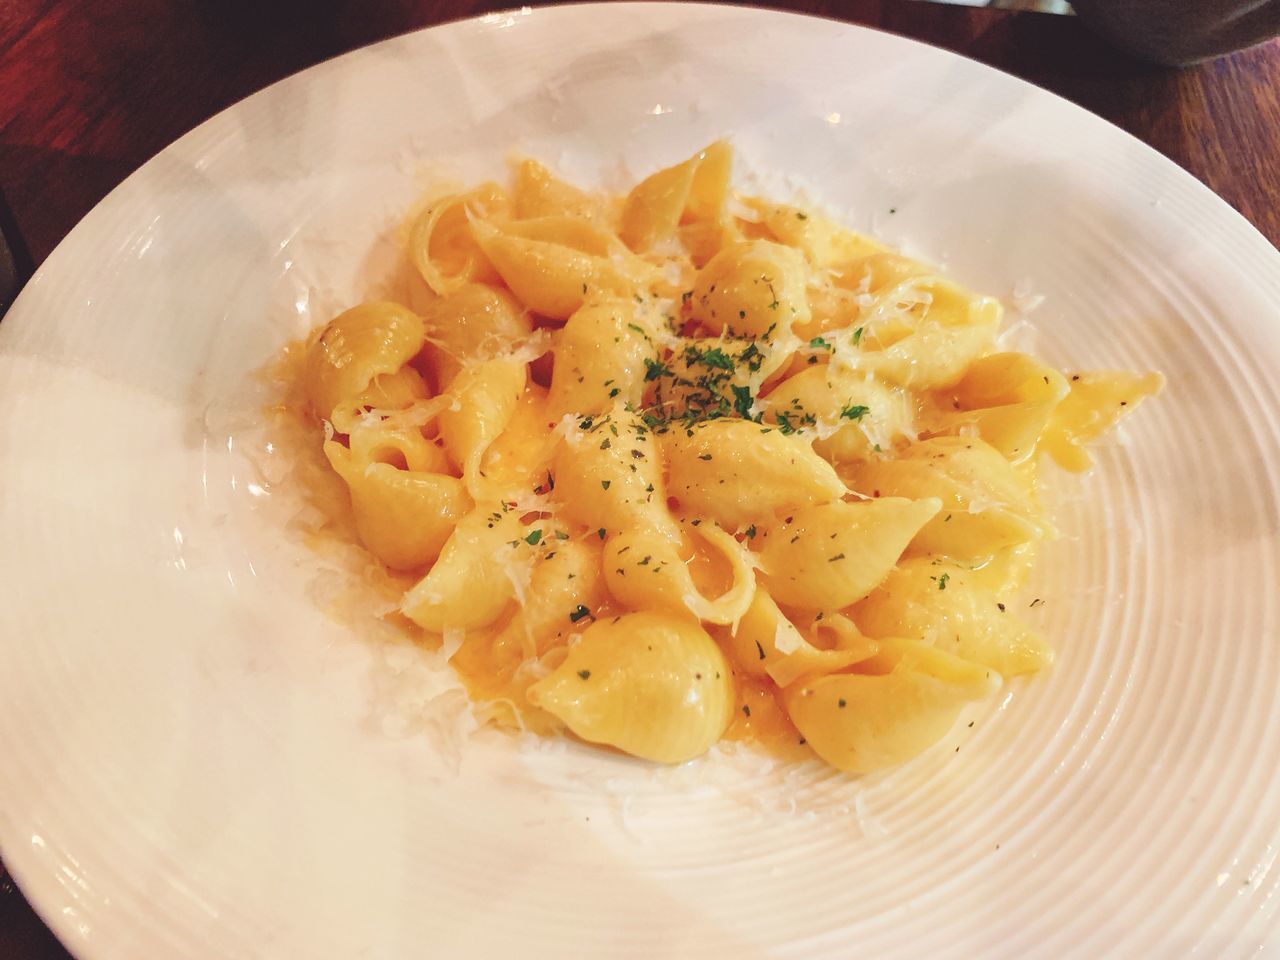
x=682 y=465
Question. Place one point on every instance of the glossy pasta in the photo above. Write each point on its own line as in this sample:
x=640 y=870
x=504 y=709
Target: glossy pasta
x=683 y=465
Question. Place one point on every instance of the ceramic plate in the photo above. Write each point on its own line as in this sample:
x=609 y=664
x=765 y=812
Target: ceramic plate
x=198 y=761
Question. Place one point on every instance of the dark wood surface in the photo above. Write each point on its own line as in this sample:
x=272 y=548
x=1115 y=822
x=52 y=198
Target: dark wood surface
x=89 y=89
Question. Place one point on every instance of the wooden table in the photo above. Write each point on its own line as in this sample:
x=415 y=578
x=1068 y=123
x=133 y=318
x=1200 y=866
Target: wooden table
x=89 y=89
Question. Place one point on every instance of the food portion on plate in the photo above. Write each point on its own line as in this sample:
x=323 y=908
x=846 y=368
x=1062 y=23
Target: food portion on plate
x=683 y=465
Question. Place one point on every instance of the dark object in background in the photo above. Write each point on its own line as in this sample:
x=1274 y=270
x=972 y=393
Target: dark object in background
x=1181 y=32
x=15 y=262
x=22 y=934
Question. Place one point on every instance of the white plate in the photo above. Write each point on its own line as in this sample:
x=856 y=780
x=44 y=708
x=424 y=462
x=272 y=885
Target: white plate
x=196 y=762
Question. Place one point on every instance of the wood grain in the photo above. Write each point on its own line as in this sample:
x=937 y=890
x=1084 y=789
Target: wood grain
x=92 y=89
x=89 y=89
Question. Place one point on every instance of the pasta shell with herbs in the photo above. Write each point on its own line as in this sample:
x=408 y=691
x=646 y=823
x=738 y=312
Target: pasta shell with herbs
x=1095 y=403
x=601 y=357
x=1007 y=399
x=947 y=607
x=862 y=722
x=644 y=569
x=609 y=474
x=985 y=505
x=765 y=643
x=834 y=554
x=485 y=558
x=738 y=472
x=752 y=289
x=653 y=685
x=852 y=415
x=565 y=588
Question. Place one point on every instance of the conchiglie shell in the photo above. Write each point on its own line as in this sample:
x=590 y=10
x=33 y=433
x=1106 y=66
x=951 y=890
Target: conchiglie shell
x=828 y=556
x=600 y=357
x=650 y=684
x=395 y=391
x=738 y=472
x=643 y=569
x=475 y=577
x=441 y=245
x=872 y=273
x=654 y=206
x=382 y=441
x=706 y=238
x=752 y=289
x=1007 y=398
x=474 y=322
x=985 y=505
x=710 y=189
x=386 y=392
x=826 y=392
x=565 y=582
x=519 y=459
x=403 y=517
x=694 y=190
x=822 y=241
x=608 y=474
x=358 y=345
x=1096 y=401
x=925 y=332
x=752 y=643
x=575 y=233
x=483 y=399
x=944 y=605
x=554 y=263
x=973 y=681
x=834 y=643
x=860 y=723
x=539 y=193
x=764 y=643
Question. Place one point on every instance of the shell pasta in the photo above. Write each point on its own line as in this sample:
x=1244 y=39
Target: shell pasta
x=682 y=465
